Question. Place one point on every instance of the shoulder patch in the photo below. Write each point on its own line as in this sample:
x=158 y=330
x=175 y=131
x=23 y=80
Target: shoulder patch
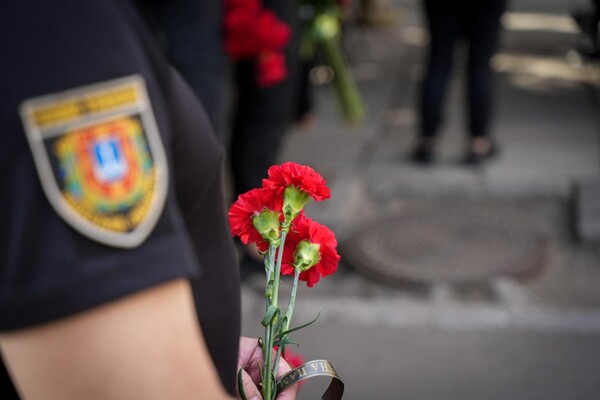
x=100 y=159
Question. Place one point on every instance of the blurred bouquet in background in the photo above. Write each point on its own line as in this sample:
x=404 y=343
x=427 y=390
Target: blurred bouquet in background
x=322 y=31
x=253 y=33
x=272 y=217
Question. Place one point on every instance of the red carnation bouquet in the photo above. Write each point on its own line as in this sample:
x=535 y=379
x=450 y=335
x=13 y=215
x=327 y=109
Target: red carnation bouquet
x=255 y=33
x=273 y=218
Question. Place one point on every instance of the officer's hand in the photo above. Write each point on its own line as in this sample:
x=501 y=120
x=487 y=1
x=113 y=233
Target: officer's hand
x=251 y=356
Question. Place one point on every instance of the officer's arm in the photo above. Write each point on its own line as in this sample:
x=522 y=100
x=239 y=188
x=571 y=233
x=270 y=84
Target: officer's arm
x=144 y=346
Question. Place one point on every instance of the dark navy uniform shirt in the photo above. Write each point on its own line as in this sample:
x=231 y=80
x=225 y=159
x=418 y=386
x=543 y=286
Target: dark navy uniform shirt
x=50 y=268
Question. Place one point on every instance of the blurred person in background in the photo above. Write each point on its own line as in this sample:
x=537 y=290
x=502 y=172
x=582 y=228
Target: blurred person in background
x=117 y=276
x=192 y=33
x=262 y=115
x=479 y=24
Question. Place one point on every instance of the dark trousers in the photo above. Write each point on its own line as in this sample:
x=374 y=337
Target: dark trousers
x=193 y=31
x=479 y=24
x=262 y=115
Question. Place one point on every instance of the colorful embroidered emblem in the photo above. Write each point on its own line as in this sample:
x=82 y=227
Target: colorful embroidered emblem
x=100 y=159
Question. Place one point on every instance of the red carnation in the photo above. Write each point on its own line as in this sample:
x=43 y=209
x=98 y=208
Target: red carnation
x=271 y=32
x=245 y=208
x=255 y=33
x=245 y=5
x=271 y=69
x=240 y=40
x=302 y=177
x=305 y=229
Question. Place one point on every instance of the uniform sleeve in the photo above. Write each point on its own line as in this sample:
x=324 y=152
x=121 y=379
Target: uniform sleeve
x=48 y=268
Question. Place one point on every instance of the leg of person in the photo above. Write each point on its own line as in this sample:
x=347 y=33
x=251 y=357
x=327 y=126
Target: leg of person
x=443 y=26
x=482 y=23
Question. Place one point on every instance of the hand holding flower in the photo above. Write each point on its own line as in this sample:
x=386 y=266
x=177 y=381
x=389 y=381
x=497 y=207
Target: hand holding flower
x=267 y=217
x=250 y=359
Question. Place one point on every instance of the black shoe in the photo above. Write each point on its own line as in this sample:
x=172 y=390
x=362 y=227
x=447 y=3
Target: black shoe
x=424 y=153
x=473 y=157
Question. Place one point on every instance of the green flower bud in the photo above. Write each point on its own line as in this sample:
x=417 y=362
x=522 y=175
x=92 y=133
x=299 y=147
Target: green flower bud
x=294 y=201
x=306 y=255
x=326 y=26
x=267 y=224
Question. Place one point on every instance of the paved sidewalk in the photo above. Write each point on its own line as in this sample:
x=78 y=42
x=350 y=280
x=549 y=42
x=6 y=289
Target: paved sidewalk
x=547 y=123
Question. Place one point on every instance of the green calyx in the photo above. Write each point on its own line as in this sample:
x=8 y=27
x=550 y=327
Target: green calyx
x=294 y=201
x=306 y=255
x=267 y=225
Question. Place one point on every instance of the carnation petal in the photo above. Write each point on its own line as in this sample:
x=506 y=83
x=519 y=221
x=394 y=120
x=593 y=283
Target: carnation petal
x=301 y=176
x=304 y=228
x=243 y=210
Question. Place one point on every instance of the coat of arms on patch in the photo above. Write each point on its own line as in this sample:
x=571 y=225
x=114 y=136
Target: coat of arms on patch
x=100 y=158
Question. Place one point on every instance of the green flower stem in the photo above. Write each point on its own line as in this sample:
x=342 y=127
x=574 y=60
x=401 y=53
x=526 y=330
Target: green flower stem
x=267 y=386
x=349 y=97
x=267 y=350
x=270 y=265
x=278 y=267
x=272 y=300
x=290 y=309
x=288 y=315
x=276 y=366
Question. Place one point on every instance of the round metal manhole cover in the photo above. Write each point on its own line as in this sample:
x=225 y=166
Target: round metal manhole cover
x=441 y=242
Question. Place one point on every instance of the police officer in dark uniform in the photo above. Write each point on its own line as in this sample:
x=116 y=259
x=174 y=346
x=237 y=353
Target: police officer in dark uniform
x=117 y=274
